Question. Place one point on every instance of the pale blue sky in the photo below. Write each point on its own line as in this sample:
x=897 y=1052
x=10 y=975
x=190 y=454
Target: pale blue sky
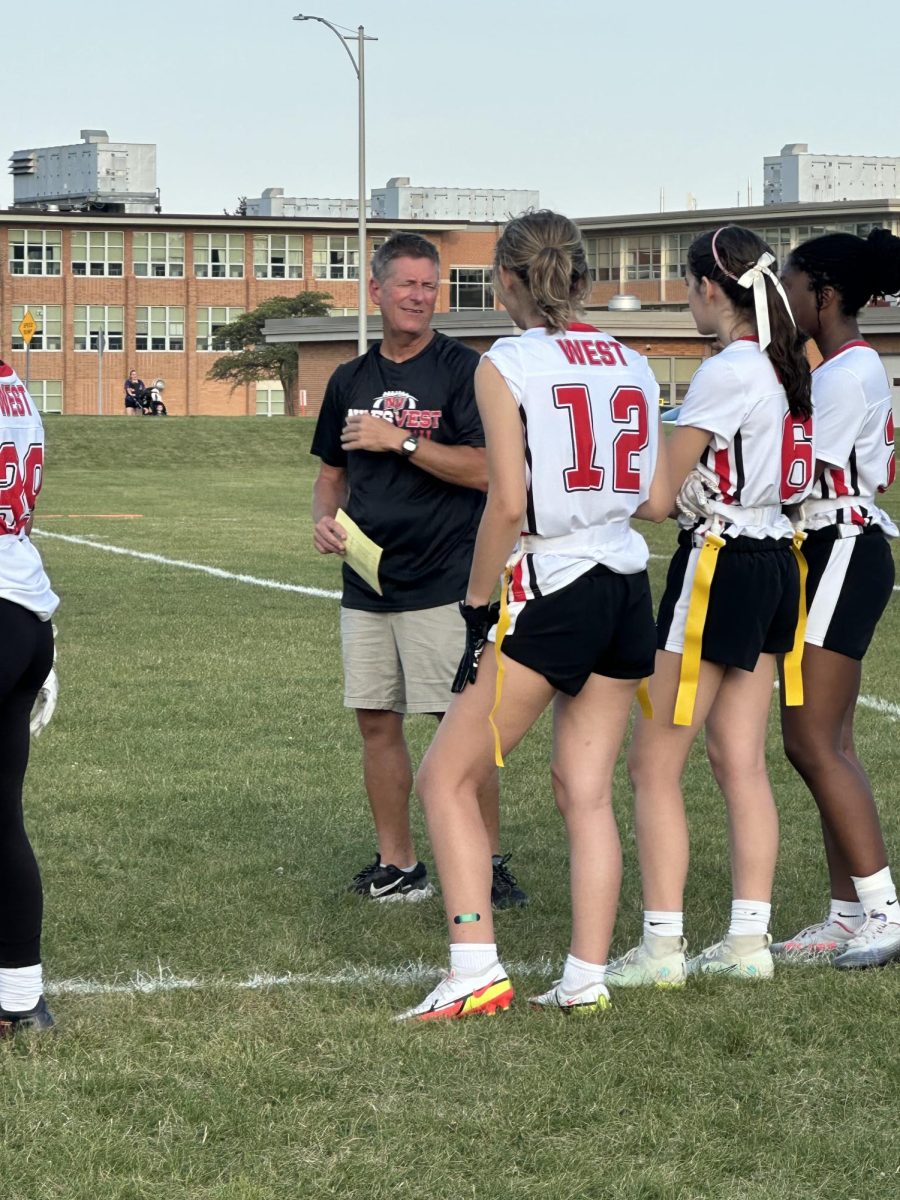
x=596 y=104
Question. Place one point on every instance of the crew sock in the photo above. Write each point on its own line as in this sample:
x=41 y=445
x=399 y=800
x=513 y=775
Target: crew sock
x=849 y=912
x=20 y=987
x=663 y=924
x=749 y=917
x=472 y=958
x=878 y=894
x=578 y=974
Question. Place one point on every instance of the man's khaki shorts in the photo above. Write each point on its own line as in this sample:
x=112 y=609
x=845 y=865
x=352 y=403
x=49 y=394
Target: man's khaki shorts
x=401 y=661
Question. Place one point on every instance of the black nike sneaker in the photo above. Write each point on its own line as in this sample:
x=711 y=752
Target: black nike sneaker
x=505 y=890
x=383 y=881
x=39 y=1018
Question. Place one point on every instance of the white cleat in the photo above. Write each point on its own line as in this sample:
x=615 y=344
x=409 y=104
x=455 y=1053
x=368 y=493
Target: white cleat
x=816 y=942
x=740 y=956
x=654 y=962
x=464 y=996
x=593 y=998
x=877 y=942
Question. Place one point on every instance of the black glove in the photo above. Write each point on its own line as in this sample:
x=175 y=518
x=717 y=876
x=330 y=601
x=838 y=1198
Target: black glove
x=478 y=622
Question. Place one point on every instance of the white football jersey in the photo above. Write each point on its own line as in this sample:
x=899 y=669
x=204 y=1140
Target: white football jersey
x=589 y=409
x=22 y=576
x=759 y=457
x=855 y=437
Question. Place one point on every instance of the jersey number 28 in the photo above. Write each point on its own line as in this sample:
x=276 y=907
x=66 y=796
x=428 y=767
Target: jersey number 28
x=627 y=405
x=18 y=489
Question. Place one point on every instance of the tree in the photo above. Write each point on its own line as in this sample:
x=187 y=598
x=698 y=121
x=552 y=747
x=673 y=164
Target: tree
x=258 y=359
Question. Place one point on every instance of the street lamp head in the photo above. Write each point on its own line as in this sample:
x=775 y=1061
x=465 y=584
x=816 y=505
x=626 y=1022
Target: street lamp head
x=300 y=17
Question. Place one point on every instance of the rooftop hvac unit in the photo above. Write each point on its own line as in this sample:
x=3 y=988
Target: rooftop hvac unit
x=624 y=304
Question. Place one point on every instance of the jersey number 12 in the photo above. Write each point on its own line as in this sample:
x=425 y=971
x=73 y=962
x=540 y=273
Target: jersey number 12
x=626 y=405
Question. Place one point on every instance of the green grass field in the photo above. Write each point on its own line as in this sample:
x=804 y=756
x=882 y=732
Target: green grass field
x=197 y=809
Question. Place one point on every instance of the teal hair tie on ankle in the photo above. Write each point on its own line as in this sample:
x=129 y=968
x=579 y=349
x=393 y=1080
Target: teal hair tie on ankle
x=465 y=918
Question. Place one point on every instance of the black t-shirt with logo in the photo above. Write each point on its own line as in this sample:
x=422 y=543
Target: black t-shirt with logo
x=425 y=526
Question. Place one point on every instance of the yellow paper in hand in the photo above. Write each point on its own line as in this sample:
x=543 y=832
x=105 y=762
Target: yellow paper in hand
x=360 y=552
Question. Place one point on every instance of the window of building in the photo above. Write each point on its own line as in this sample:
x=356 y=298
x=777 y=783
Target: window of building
x=35 y=251
x=93 y=319
x=278 y=256
x=471 y=287
x=159 y=254
x=343 y=312
x=98 y=253
x=47 y=394
x=642 y=256
x=677 y=245
x=673 y=374
x=219 y=255
x=269 y=399
x=159 y=328
x=209 y=321
x=603 y=258
x=335 y=257
x=47 y=317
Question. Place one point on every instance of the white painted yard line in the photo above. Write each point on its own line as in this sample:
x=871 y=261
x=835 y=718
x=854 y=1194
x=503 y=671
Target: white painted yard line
x=891 y=711
x=190 y=566
x=165 y=981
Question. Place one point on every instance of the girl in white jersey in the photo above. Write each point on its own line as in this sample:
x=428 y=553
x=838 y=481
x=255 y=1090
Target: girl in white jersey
x=26 y=656
x=731 y=605
x=572 y=431
x=851 y=576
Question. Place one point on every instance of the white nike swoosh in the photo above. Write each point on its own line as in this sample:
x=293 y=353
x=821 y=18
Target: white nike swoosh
x=388 y=887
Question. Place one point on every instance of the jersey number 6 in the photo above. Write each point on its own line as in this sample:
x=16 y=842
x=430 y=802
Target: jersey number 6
x=626 y=404
x=796 y=456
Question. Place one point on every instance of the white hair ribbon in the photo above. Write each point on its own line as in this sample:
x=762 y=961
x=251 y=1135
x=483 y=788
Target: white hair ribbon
x=755 y=277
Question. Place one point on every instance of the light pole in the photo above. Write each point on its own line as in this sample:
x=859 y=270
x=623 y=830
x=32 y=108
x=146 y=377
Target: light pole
x=359 y=66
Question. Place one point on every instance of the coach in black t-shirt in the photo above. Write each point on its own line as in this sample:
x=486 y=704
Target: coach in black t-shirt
x=402 y=453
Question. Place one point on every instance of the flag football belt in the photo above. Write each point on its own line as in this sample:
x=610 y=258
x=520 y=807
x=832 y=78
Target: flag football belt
x=698 y=606
x=503 y=625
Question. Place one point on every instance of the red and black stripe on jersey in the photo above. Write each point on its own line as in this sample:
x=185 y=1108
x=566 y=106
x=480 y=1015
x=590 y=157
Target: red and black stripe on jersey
x=728 y=467
x=523 y=584
x=530 y=518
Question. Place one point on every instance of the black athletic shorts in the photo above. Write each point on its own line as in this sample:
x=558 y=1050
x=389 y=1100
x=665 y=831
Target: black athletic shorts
x=754 y=600
x=849 y=583
x=602 y=624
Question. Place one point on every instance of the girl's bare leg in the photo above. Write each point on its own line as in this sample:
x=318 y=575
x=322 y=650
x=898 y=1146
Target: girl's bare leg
x=458 y=766
x=587 y=734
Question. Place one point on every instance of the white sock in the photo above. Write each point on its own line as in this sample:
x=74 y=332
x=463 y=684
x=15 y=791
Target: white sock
x=848 y=912
x=578 y=974
x=406 y=870
x=20 y=987
x=663 y=924
x=472 y=958
x=749 y=916
x=877 y=893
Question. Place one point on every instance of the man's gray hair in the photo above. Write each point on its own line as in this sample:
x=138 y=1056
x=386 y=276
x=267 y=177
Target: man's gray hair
x=402 y=245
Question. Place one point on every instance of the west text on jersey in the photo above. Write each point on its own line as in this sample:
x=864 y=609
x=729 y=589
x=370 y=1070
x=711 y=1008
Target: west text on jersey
x=592 y=352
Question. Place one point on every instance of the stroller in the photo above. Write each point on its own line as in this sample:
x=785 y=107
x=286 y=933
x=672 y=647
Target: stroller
x=151 y=401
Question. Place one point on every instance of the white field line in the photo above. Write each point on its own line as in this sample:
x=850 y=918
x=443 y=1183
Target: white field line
x=190 y=566
x=164 y=980
x=891 y=711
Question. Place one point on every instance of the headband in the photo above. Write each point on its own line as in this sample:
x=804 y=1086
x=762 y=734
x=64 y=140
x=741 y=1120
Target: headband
x=755 y=277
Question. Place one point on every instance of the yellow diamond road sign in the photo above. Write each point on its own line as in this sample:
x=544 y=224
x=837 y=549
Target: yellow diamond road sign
x=27 y=326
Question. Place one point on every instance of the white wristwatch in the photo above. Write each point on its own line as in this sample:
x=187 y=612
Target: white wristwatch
x=408 y=446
